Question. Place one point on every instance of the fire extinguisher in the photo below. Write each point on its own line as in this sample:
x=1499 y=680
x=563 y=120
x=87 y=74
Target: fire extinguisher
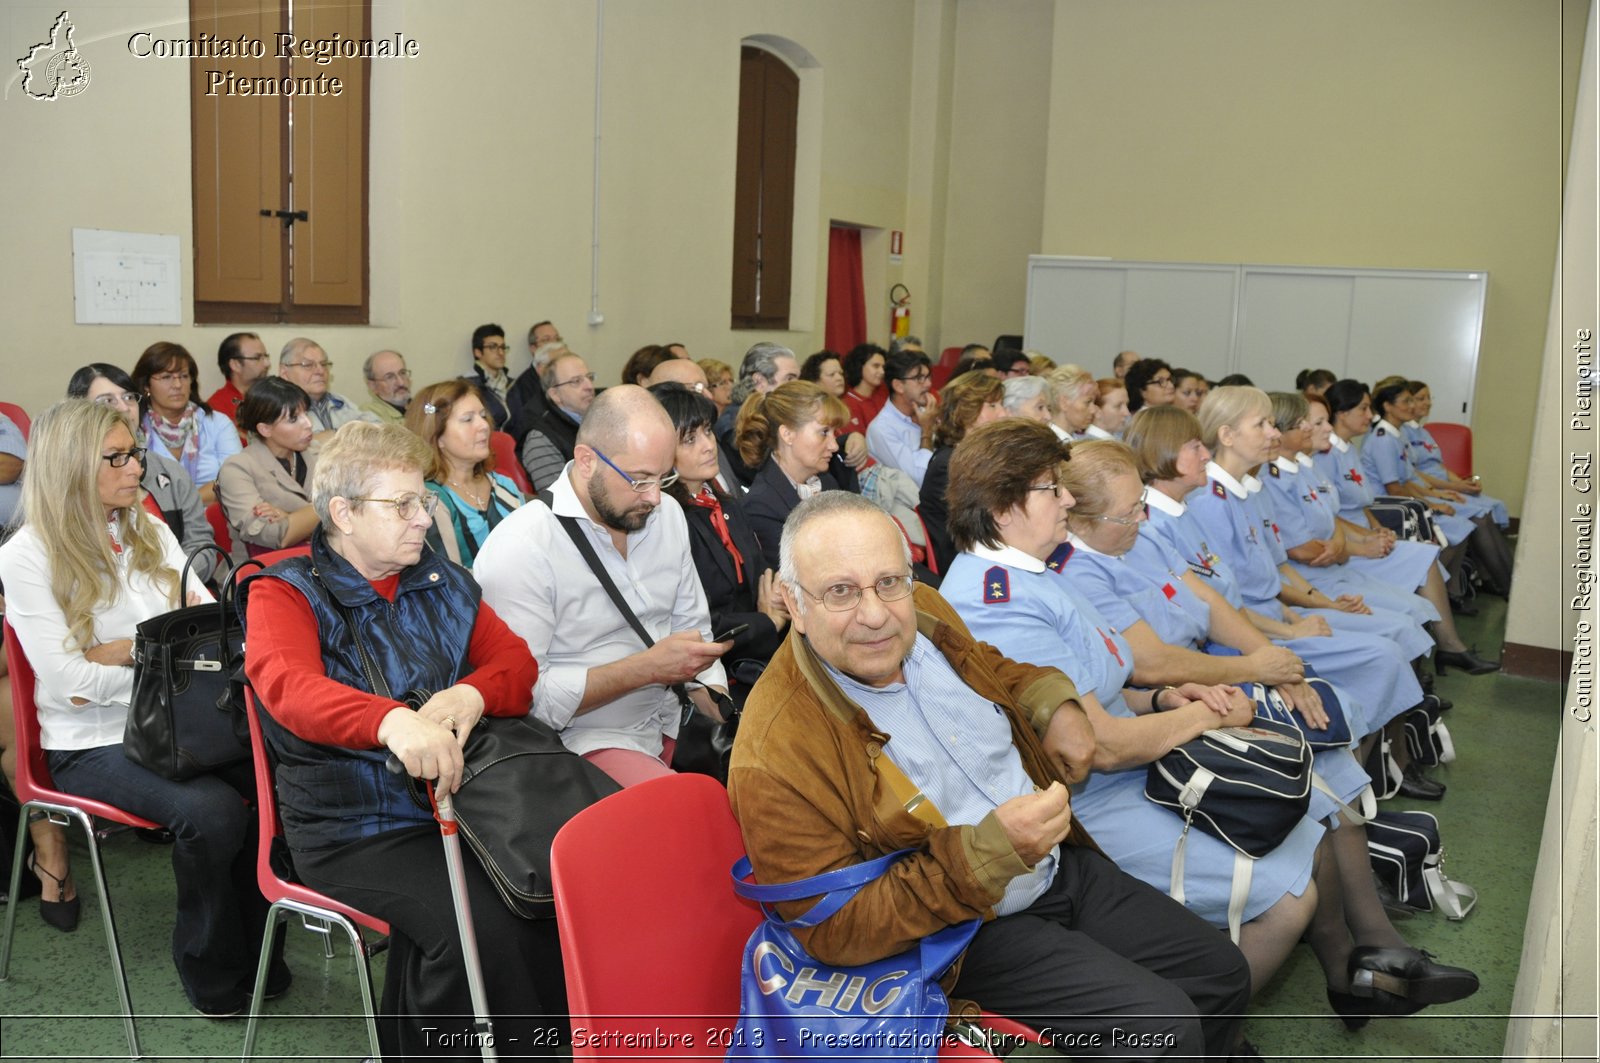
x=899 y=312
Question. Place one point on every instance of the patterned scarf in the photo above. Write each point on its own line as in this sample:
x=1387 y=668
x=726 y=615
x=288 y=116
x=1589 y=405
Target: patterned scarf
x=182 y=439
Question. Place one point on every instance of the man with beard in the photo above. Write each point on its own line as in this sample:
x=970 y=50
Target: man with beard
x=389 y=382
x=610 y=697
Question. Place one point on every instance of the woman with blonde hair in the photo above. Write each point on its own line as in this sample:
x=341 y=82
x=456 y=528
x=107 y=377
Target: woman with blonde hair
x=1076 y=397
x=719 y=382
x=789 y=436
x=87 y=567
x=451 y=419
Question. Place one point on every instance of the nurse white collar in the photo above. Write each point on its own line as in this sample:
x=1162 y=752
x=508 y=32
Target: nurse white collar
x=1172 y=507
x=1341 y=445
x=1385 y=424
x=1078 y=544
x=1288 y=466
x=1303 y=460
x=1220 y=475
x=1009 y=556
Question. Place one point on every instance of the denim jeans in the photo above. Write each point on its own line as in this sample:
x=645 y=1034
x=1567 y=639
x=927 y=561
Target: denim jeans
x=221 y=912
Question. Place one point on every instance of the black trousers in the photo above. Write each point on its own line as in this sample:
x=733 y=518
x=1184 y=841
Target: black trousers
x=426 y=1011
x=1103 y=964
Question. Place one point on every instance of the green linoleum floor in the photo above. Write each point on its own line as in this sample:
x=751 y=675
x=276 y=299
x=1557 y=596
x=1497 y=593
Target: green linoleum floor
x=59 y=1002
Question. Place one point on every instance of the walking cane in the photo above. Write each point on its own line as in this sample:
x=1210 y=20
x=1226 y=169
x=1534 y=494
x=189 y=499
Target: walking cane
x=484 y=1027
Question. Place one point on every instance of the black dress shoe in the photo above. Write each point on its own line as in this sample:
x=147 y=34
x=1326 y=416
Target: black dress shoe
x=1356 y=1011
x=60 y=913
x=1410 y=974
x=1465 y=660
x=1416 y=785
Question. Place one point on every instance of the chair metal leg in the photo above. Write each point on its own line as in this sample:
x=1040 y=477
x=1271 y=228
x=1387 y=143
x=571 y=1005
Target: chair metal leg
x=281 y=910
x=67 y=815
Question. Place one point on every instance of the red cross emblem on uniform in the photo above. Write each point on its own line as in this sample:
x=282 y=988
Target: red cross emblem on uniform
x=1111 y=647
x=1428 y=447
x=1275 y=534
x=1354 y=476
x=1169 y=590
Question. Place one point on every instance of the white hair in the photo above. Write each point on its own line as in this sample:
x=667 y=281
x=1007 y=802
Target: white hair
x=1020 y=389
x=826 y=504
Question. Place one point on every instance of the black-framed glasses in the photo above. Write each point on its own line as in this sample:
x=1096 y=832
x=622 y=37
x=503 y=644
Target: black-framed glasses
x=122 y=457
x=495 y=347
x=262 y=357
x=842 y=597
x=1136 y=514
x=406 y=506
x=919 y=376
x=639 y=486
x=1161 y=381
x=575 y=380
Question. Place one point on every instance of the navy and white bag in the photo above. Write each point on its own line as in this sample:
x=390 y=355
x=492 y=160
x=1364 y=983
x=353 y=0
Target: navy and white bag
x=792 y=1006
x=1408 y=857
x=1426 y=734
x=1246 y=786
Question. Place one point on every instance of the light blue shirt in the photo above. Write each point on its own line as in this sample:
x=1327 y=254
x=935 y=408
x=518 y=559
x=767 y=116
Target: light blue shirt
x=896 y=440
x=11 y=442
x=955 y=746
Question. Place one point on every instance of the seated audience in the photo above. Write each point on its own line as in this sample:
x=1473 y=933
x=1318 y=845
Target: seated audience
x=553 y=434
x=677 y=370
x=1312 y=382
x=265 y=490
x=641 y=363
x=1075 y=401
x=788 y=435
x=900 y=436
x=739 y=588
x=1069 y=942
x=243 y=359
x=353 y=828
x=13 y=459
x=86 y=568
x=865 y=393
x=304 y=363
x=1010 y=362
x=1111 y=413
x=473 y=498
x=1150 y=383
x=1427 y=458
x=1236 y=380
x=169 y=493
x=612 y=699
x=975 y=358
x=719 y=380
x=969 y=401
x=489 y=354
x=826 y=371
x=525 y=400
x=1122 y=363
x=1029 y=397
x=765 y=366
x=1040 y=364
x=389 y=384
x=176 y=420
x=1191 y=389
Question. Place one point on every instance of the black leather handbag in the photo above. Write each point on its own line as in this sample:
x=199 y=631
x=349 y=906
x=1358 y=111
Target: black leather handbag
x=186 y=717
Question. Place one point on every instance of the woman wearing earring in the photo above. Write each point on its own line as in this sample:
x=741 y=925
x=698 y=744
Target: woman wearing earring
x=265 y=490
x=451 y=419
x=174 y=416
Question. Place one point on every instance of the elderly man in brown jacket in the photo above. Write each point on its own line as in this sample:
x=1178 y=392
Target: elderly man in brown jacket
x=1097 y=961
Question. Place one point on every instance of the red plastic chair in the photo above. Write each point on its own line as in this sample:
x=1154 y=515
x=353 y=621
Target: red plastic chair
x=1455 y=446
x=316 y=910
x=18 y=416
x=35 y=790
x=506 y=462
x=219 y=527
x=945 y=366
x=272 y=557
x=638 y=961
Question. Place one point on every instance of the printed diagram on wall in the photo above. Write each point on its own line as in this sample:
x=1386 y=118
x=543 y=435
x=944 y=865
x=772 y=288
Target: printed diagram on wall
x=125 y=278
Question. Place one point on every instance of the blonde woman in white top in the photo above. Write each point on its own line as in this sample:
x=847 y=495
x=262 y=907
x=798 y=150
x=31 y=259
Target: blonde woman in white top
x=89 y=564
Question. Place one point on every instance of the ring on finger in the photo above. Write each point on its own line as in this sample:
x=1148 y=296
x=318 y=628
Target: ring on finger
x=450 y=722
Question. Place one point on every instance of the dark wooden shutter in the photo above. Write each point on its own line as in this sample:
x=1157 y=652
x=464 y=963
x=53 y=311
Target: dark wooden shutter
x=763 y=224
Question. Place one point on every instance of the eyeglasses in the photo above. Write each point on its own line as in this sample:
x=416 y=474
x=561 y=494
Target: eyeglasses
x=391 y=378
x=1054 y=489
x=639 y=486
x=262 y=357
x=406 y=506
x=308 y=365
x=575 y=380
x=1135 y=515
x=494 y=347
x=1161 y=381
x=842 y=597
x=122 y=457
x=924 y=375
x=171 y=378
x=127 y=397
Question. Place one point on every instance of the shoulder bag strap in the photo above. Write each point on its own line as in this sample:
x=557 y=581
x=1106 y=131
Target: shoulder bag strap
x=586 y=548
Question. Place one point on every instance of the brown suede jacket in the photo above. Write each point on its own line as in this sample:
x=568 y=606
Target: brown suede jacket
x=806 y=787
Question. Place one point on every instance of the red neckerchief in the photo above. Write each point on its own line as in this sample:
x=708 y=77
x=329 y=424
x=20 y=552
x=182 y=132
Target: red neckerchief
x=719 y=523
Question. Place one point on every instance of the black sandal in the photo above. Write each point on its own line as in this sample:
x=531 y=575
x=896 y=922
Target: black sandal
x=61 y=914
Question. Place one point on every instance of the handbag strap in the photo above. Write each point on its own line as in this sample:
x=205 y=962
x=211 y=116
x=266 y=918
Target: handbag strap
x=586 y=548
x=834 y=889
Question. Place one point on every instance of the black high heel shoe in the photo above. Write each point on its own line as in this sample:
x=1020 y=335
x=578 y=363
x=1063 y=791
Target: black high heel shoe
x=1465 y=660
x=61 y=914
x=1409 y=975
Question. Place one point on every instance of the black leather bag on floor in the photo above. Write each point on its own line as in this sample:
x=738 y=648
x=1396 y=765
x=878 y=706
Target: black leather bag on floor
x=186 y=716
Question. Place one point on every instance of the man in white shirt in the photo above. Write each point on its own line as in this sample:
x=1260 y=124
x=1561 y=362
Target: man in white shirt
x=901 y=436
x=609 y=696
x=304 y=362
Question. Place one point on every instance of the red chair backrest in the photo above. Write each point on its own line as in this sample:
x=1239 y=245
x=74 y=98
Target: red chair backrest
x=219 y=526
x=1455 y=446
x=18 y=415
x=671 y=909
x=506 y=462
x=33 y=770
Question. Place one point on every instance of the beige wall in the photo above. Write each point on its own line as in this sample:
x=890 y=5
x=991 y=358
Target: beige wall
x=1361 y=133
x=482 y=176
